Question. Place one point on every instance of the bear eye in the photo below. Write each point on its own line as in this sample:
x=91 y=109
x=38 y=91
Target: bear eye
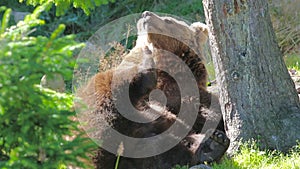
x=168 y=21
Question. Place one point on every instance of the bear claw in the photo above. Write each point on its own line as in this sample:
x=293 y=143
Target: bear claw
x=220 y=137
x=214 y=147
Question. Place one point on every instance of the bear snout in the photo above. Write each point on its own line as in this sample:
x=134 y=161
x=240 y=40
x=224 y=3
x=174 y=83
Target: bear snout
x=147 y=13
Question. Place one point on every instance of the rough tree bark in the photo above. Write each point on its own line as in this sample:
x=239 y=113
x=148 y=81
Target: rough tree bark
x=257 y=96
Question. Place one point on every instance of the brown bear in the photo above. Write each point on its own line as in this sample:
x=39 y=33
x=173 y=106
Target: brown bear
x=136 y=78
x=189 y=151
x=172 y=39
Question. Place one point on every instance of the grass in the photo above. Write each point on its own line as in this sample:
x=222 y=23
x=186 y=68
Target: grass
x=292 y=61
x=251 y=157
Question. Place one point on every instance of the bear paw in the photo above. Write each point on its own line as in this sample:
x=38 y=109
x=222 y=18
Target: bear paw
x=214 y=147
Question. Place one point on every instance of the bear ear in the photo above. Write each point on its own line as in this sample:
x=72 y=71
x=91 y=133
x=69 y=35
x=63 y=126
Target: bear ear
x=201 y=30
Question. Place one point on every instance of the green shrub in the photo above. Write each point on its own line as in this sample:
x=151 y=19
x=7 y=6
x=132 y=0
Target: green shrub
x=84 y=26
x=62 y=6
x=37 y=130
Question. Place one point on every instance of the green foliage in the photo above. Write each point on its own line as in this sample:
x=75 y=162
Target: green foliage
x=292 y=61
x=5 y=19
x=190 y=10
x=37 y=130
x=251 y=157
x=62 y=5
x=77 y=22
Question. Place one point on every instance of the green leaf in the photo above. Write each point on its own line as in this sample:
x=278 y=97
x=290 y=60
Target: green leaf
x=63 y=5
x=5 y=20
x=58 y=31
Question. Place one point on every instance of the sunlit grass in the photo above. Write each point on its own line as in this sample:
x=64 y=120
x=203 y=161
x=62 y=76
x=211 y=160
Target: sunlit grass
x=251 y=157
x=292 y=61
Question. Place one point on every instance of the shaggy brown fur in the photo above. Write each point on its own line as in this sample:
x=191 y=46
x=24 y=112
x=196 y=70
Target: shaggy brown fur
x=170 y=39
x=106 y=87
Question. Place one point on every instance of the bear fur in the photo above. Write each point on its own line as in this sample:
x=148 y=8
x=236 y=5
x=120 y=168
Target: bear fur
x=102 y=91
x=171 y=38
x=97 y=107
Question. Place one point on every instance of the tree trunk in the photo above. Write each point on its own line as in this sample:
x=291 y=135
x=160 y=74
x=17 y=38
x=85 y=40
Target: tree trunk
x=257 y=96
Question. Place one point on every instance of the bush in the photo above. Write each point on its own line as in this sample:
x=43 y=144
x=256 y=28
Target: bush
x=62 y=6
x=37 y=125
x=84 y=26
